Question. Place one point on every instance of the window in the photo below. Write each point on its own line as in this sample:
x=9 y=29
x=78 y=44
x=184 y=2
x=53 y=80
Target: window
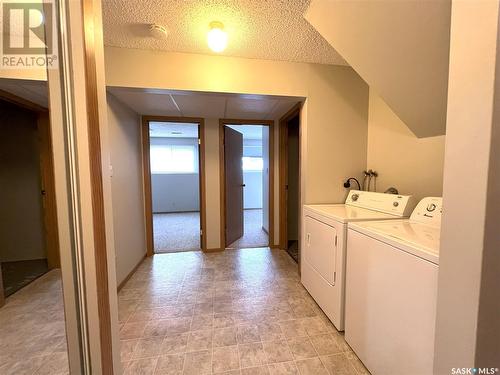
x=251 y=163
x=169 y=159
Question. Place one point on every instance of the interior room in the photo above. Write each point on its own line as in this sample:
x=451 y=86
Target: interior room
x=252 y=169
x=253 y=188
x=175 y=186
x=32 y=318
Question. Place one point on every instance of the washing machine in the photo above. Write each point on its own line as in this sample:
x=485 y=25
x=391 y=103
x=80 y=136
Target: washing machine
x=391 y=291
x=324 y=243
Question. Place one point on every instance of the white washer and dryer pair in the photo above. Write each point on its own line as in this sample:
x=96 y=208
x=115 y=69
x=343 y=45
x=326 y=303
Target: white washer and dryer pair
x=323 y=258
x=391 y=291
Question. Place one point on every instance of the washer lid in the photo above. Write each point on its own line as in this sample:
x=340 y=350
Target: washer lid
x=344 y=213
x=413 y=237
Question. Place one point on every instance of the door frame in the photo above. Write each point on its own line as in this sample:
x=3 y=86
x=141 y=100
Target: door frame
x=47 y=180
x=148 y=195
x=283 y=172
x=270 y=124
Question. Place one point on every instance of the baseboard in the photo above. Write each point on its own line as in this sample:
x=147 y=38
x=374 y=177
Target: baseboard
x=265 y=230
x=213 y=250
x=131 y=272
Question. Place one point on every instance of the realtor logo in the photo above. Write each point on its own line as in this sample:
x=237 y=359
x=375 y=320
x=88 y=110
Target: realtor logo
x=28 y=35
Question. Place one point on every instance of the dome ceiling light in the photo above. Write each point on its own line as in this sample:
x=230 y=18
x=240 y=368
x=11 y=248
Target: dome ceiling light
x=217 y=37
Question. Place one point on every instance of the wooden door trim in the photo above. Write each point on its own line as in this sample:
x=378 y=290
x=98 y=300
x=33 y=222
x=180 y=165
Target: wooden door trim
x=148 y=198
x=48 y=186
x=222 y=173
x=97 y=190
x=283 y=171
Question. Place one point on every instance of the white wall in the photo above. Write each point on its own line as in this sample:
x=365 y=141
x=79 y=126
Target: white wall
x=21 y=224
x=412 y=165
x=175 y=192
x=252 y=192
x=333 y=121
x=126 y=186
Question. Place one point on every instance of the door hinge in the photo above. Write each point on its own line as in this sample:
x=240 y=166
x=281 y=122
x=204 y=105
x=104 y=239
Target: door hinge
x=334 y=277
x=335 y=241
x=201 y=232
x=199 y=141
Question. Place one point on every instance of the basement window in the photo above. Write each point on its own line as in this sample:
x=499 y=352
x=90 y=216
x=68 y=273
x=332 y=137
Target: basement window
x=252 y=164
x=173 y=159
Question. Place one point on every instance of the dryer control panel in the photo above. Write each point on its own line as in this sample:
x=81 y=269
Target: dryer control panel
x=399 y=205
x=429 y=211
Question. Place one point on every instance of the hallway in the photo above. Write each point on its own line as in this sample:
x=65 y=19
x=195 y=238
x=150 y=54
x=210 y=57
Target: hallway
x=240 y=312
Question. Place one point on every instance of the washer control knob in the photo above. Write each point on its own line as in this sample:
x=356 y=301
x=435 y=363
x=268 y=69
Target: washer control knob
x=431 y=207
x=355 y=197
x=395 y=204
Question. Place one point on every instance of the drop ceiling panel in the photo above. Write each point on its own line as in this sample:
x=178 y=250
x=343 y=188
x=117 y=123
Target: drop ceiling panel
x=148 y=104
x=257 y=109
x=201 y=104
x=33 y=91
x=192 y=105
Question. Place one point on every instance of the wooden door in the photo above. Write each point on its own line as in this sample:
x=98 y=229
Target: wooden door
x=233 y=154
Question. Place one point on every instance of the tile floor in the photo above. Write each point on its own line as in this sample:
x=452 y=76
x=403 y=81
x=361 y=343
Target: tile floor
x=236 y=312
x=32 y=331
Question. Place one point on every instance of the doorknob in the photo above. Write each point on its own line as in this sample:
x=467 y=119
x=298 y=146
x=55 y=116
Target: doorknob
x=242 y=185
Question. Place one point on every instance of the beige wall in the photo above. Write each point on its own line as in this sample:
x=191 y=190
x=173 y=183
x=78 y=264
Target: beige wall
x=410 y=164
x=126 y=186
x=468 y=325
x=334 y=116
x=212 y=182
x=399 y=47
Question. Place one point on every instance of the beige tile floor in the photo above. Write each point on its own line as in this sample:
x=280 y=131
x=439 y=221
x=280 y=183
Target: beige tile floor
x=236 y=312
x=32 y=331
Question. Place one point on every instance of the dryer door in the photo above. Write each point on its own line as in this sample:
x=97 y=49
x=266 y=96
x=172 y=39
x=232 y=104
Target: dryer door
x=321 y=248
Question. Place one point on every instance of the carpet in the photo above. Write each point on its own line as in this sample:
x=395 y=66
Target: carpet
x=177 y=231
x=254 y=235
x=16 y=275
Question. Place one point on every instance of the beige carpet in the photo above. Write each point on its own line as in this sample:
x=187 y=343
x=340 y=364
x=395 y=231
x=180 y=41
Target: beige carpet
x=179 y=231
x=254 y=235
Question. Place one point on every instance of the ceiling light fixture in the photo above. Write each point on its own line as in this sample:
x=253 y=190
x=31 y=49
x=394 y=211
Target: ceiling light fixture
x=217 y=37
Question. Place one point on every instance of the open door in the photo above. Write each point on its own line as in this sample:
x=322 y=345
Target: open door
x=233 y=154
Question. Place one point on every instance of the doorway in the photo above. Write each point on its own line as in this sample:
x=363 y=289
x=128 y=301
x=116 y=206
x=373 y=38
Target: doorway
x=174 y=175
x=28 y=230
x=290 y=183
x=246 y=165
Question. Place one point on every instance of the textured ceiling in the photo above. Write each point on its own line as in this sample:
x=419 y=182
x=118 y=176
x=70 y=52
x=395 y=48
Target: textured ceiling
x=198 y=104
x=263 y=29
